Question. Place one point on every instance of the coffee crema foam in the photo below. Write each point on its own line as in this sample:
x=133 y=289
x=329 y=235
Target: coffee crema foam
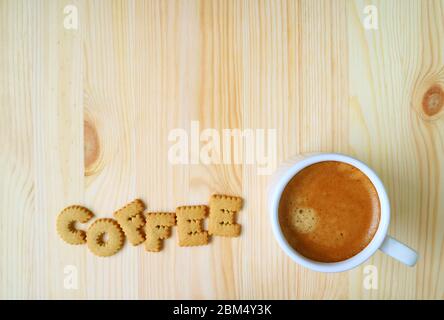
x=329 y=211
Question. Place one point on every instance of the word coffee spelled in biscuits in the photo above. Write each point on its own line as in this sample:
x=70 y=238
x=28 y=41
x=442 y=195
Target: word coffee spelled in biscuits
x=106 y=236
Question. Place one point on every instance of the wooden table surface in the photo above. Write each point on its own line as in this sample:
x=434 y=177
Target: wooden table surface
x=86 y=115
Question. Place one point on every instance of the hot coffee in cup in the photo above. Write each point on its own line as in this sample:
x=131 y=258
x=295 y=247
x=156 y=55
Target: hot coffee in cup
x=330 y=213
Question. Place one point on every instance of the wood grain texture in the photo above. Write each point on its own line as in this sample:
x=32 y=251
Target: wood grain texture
x=86 y=115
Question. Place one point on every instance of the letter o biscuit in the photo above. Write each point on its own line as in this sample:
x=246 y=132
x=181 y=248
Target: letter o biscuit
x=96 y=233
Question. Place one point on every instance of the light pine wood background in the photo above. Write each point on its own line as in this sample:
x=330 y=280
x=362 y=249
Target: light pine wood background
x=85 y=117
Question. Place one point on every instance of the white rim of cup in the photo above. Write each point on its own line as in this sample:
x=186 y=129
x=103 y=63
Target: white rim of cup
x=359 y=258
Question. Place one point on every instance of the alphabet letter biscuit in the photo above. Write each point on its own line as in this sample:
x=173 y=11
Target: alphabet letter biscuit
x=131 y=220
x=98 y=244
x=157 y=228
x=222 y=215
x=189 y=223
x=66 y=224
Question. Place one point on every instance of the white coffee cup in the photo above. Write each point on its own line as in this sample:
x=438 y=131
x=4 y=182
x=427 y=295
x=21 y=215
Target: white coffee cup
x=381 y=240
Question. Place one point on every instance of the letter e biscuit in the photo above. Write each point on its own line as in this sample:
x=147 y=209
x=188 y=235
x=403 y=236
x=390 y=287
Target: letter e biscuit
x=222 y=215
x=189 y=225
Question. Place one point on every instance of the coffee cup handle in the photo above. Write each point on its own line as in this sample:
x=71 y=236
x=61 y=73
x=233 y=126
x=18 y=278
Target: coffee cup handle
x=399 y=251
